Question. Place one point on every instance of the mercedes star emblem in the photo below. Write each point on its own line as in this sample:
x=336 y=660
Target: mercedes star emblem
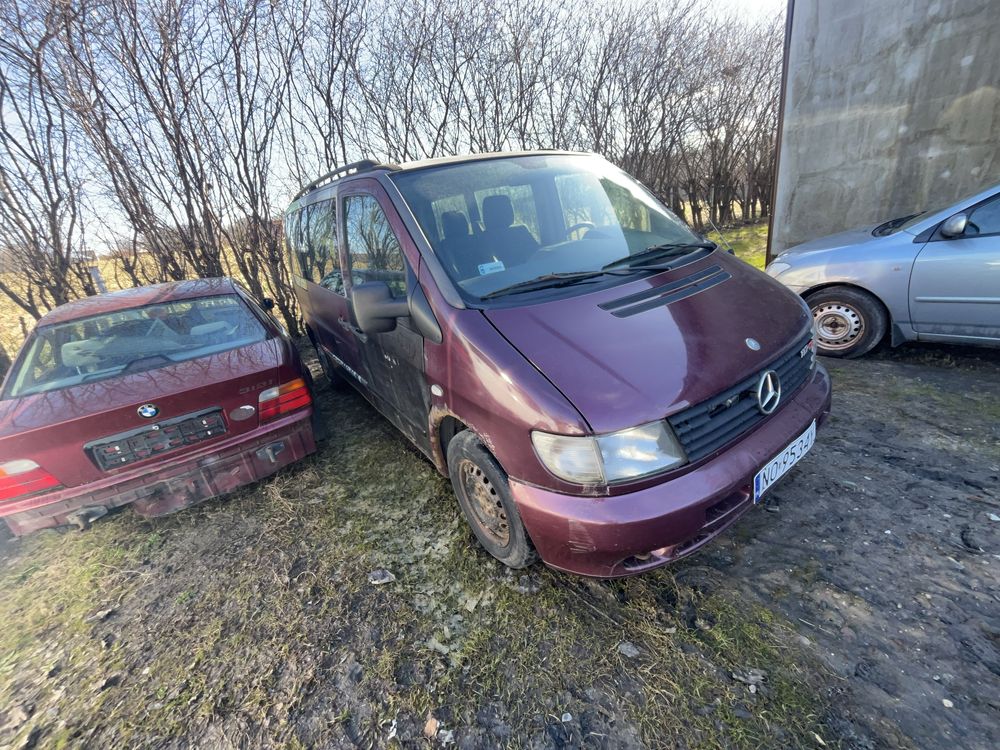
x=768 y=392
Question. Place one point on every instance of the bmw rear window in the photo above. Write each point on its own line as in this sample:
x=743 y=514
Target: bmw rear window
x=134 y=340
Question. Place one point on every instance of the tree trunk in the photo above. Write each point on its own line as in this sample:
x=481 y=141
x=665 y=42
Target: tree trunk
x=4 y=362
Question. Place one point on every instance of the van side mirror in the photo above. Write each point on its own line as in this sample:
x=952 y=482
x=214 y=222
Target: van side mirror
x=375 y=309
x=954 y=226
x=267 y=304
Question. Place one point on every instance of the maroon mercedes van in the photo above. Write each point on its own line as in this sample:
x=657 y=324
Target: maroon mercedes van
x=605 y=389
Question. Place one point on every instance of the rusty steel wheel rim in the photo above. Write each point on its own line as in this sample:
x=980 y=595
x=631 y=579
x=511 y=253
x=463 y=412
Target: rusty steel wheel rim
x=485 y=503
x=838 y=326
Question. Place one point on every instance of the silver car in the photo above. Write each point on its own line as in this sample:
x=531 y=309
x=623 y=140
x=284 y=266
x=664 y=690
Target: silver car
x=932 y=276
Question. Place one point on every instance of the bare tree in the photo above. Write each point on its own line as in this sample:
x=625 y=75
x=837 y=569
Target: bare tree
x=317 y=115
x=134 y=75
x=4 y=362
x=257 y=50
x=41 y=206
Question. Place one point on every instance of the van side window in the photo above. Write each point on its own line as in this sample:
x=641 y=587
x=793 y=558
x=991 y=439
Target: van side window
x=290 y=229
x=631 y=214
x=638 y=222
x=373 y=248
x=452 y=204
x=312 y=239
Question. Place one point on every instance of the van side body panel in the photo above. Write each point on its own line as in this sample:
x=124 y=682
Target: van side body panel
x=488 y=386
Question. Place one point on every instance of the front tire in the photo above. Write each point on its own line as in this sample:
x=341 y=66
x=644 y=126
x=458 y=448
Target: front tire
x=849 y=322
x=484 y=496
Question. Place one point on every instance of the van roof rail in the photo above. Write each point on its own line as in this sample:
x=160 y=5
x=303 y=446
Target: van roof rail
x=365 y=165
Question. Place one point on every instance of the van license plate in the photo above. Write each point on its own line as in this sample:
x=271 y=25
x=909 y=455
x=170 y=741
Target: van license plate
x=780 y=464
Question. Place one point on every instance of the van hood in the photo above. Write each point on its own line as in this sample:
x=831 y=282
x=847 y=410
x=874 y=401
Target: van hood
x=643 y=350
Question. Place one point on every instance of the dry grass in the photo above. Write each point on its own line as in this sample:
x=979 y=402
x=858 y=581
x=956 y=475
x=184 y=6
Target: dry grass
x=749 y=242
x=14 y=320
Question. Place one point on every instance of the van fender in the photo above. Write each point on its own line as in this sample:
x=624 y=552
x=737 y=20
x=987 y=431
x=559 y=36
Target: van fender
x=438 y=456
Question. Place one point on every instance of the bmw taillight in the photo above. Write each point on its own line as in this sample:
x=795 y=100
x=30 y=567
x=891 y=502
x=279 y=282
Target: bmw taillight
x=24 y=477
x=283 y=399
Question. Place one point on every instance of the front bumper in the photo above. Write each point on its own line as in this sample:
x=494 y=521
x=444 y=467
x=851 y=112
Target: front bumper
x=635 y=532
x=173 y=483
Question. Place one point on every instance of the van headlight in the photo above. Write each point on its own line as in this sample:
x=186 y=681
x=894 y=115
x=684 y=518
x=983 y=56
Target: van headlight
x=615 y=457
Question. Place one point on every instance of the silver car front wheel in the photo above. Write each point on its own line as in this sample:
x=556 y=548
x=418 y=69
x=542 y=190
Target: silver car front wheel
x=838 y=325
x=849 y=322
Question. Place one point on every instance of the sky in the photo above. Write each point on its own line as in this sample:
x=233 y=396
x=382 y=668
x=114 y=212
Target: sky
x=751 y=9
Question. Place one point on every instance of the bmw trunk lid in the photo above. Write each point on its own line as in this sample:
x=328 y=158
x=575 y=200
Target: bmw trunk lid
x=87 y=431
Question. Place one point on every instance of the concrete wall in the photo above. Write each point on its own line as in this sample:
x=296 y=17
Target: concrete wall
x=891 y=107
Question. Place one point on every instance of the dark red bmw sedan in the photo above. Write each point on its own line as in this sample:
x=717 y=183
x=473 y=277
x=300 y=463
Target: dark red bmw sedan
x=161 y=396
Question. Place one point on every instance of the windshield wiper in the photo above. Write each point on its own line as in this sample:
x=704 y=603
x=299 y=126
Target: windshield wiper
x=547 y=281
x=892 y=225
x=661 y=252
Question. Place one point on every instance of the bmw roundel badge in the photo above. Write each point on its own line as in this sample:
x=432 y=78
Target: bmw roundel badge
x=148 y=411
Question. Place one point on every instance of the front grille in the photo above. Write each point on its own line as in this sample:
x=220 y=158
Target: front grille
x=704 y=428
x=137 y=445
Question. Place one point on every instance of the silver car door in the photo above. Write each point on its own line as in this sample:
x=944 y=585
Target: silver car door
x=955 y=283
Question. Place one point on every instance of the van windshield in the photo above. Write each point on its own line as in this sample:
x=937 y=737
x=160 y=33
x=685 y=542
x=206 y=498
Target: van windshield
x=503 y=224
x=132 y=340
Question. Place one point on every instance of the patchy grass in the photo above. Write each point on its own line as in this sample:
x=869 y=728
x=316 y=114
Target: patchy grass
x=749 y=242
x=251 y=620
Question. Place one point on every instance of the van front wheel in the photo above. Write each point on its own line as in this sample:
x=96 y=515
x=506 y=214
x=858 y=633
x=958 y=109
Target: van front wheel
x=484 y=495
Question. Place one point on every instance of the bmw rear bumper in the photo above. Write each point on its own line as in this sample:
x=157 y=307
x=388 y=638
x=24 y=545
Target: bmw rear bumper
x=173 y=483
x=635 y=532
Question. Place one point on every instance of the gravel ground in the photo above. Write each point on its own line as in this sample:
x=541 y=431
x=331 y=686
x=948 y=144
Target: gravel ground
x=884 y=549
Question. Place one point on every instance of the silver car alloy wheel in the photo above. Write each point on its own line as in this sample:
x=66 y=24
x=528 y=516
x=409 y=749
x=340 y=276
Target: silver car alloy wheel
x=838 y=326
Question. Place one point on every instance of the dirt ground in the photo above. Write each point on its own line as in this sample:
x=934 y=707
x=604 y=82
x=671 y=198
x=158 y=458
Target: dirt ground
x=859 y=608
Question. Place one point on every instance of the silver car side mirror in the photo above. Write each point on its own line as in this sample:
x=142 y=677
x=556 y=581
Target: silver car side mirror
x=954 y=226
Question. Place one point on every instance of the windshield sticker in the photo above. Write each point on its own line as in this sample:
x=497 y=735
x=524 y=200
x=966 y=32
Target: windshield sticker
x=492 y=267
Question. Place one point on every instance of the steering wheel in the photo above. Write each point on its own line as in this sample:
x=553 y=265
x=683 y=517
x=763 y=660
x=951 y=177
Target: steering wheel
x=971 y=229
x=579 y=225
